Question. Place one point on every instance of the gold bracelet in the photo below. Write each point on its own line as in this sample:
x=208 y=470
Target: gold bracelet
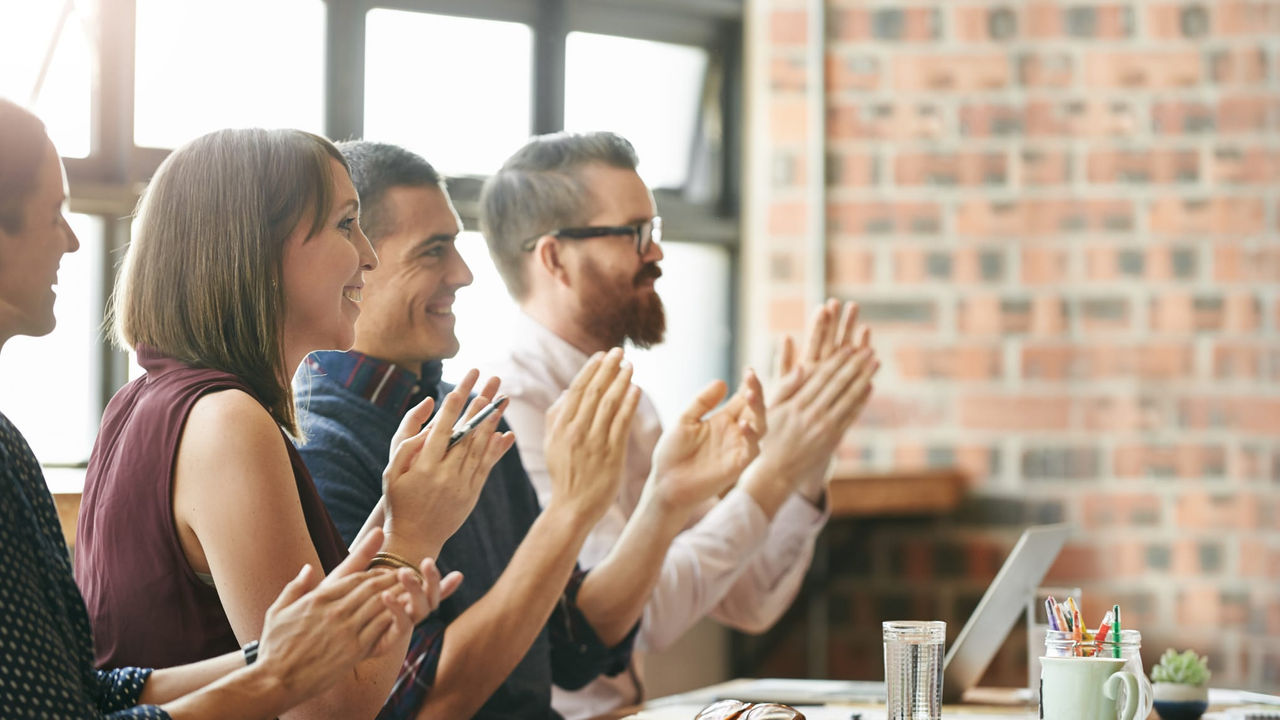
x=391 y=560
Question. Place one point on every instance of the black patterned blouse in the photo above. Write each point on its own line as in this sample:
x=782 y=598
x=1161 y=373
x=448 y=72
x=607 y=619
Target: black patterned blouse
x=46 y=648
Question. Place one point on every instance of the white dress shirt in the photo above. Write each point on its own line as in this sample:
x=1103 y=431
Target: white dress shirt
x=731 y=563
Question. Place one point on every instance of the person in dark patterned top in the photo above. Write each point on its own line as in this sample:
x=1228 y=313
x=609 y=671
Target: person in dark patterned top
x=315 y=630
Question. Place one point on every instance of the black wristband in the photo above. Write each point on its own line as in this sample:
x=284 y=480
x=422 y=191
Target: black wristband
x=250 y=651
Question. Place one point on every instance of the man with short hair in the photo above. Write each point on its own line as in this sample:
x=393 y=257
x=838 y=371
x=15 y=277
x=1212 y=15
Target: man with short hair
x=525 y=616
x=575 y=234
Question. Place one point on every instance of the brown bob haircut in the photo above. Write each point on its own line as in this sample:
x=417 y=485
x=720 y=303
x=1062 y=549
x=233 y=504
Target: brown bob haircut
x=202 y=279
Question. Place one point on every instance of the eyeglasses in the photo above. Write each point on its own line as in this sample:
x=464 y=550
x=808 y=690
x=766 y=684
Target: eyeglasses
x=646 y=234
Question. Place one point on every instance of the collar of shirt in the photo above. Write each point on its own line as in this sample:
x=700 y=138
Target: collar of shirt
x=559 y=359
x=384 y=384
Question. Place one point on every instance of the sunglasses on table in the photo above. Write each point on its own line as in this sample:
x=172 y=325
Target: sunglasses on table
x=645 y=233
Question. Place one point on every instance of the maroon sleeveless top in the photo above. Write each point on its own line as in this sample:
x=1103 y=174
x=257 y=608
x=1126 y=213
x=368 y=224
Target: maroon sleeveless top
x=146 y=605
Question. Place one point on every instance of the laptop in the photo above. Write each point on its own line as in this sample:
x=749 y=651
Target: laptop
x=1003 y=604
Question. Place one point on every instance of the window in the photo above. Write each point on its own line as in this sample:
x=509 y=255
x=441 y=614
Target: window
x=48 y=66
x=464 y=118
x=648 y=92
x=50 y=390
x=462 y=82
x=483 y=310
x=694 y=286
x=234 y=63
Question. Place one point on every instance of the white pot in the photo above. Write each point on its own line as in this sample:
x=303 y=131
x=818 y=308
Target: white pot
x=1179 y=692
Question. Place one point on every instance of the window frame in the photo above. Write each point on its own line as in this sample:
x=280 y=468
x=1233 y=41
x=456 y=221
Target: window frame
x=108 y=182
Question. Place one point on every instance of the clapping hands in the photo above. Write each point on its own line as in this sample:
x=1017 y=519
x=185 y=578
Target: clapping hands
x=587 y=431
x=429 y=488
x=703 y=454
x=822 y=391
x=319 y=627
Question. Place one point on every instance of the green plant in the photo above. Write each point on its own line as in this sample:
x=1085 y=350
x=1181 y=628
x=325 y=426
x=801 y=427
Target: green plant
x=1186 y=668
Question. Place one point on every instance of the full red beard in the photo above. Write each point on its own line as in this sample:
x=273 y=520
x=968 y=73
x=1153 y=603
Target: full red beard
x=615 y=313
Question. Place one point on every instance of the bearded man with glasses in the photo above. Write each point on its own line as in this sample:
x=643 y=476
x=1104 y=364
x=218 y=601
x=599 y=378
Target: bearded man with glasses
x=575 y=235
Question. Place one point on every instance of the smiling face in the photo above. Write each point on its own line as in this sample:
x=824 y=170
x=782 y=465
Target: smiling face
x=407 y=315
x=29 y=258
x=323 y=275
x=616 y=299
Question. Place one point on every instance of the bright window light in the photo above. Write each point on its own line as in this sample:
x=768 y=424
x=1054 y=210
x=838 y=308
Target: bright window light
x=695 y=292
x=457 y=91
x=51 y=382
x=203 y=66
x=47 y=61
x=648 y=92
x=483 y=309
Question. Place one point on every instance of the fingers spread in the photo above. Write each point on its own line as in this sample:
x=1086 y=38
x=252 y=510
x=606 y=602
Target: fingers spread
x=442 y=426
x=491 y=387
x=596 y=389
x=848 y=323
x=306 y=579
x=833 y=327
x=844 y=377
x=818 y=328
x=787 y=357
x=621 y=426
x=610 y=402
x=787 y=386
x=450 y=584
x=864 y=337
x=571 y=398
x=477 y=404
x=408 y=439
x=474 y=449
x=705 y=401
x=753 y=408
x=496 y=447
x=824 y=375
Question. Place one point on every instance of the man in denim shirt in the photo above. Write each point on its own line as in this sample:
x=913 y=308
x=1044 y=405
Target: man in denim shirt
x=525 y=616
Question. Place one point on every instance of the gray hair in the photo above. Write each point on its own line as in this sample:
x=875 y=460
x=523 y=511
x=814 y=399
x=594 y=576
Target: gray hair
x=375 y=169
x=540 y=189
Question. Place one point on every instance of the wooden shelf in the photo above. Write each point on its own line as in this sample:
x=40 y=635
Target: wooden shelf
x=916 y=492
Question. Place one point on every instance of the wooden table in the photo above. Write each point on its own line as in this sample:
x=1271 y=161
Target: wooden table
x=985 y=702
x=981 y=702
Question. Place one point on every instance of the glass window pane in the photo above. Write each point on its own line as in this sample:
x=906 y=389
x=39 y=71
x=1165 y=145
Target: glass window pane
x=465 y=119
x=47 y=61
x=695 y=290
x=649 y=92
x=482 y=309
x=50 y=391
x=203 y=66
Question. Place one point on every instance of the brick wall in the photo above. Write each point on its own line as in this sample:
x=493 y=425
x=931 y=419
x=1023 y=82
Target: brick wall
x=1063 y=221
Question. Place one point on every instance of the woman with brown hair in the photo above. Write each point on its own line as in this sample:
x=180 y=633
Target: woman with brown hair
x=248 y=256
x=313 y=632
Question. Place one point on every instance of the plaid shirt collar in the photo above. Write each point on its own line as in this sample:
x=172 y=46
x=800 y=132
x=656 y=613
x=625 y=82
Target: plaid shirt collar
x=384 y=384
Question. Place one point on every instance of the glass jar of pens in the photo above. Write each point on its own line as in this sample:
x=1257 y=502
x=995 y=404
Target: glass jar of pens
x=1068 y=636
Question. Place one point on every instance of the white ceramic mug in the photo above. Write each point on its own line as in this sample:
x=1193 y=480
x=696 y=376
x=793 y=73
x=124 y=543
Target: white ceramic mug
x=1086 y=688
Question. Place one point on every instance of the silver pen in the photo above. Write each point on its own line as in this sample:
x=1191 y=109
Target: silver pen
x=469 y=426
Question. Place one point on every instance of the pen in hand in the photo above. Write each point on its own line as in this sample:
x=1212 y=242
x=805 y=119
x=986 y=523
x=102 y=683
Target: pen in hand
x=469 y=426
